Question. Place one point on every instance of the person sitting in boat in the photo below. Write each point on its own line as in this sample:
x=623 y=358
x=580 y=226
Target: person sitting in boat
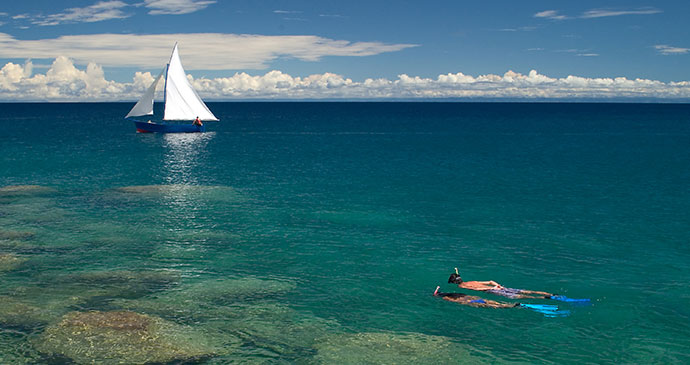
x=197 y=122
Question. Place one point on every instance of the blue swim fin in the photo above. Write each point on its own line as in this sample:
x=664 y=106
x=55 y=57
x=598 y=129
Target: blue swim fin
x=563 y=298
x=541 y=308
x=558 y=313
x=550 y=311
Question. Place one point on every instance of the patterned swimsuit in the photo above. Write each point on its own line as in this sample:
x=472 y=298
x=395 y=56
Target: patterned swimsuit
x=506 y=292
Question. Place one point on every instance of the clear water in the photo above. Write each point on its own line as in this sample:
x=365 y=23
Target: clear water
x=316 y=232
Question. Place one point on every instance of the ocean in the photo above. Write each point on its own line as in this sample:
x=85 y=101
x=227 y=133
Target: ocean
x=309 y=233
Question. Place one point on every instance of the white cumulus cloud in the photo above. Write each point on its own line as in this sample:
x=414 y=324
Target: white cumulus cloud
x=63 y=81
x=200 y=51
x=176 y=7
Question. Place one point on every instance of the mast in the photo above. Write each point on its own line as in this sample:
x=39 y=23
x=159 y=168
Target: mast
x=167 y=66
x=165 y=87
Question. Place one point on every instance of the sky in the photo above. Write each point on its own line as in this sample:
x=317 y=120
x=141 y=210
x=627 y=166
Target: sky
x=91 y=50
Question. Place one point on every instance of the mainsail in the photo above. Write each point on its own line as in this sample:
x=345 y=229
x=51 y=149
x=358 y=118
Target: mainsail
x=145 y=105
x=181 y=100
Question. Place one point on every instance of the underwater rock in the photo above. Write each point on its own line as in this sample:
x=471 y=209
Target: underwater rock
x=119 y=283
x=15 y=246
x=178 y=253
x=244 y=309
x=188 y=298
x=34 y=211
x=15 y=235
x=277 y=330
x=25 y=190
x=14 y=313
x=148 y=278
x=198 y=301
x=391 y=348
x=10 y=262
x=149 y=189
x=13 y=240
x=162 y=189
x=16 y=350
x=210 y=192
x=238 y=287
x=122 y=336
x=55 y=298
x=264 y=332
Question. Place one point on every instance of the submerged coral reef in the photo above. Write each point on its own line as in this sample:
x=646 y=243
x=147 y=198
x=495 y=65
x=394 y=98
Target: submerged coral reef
x=25 y=190
x=10 y=262
x=15 y=313
x=15 y=235
x=209 y=192
x=198 y=301
x=122 y=336
x=391 y=348
x=140 y=278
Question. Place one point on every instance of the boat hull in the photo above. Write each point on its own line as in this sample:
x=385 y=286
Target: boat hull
x=146 y=127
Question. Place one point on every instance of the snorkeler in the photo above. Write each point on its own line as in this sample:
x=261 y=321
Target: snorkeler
x=498 y=289
x=473 y=301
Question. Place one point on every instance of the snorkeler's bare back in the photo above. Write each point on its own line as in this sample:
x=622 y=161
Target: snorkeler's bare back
x=500 y=290
x=480 y=285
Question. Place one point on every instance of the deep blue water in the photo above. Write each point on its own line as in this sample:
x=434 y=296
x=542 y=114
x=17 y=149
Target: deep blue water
x=353 y=213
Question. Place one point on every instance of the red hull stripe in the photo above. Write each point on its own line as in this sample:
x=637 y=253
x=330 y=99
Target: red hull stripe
x=139 y=130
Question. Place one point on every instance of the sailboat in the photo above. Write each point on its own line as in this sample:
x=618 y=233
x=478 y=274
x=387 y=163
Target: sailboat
x=182 y=103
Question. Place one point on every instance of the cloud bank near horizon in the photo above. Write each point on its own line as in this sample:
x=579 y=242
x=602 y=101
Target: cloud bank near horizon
x=200 y=51
x=63 y=81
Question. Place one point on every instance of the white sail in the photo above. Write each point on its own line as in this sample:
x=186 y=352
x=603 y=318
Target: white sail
x=145 y=105
x=181 y=101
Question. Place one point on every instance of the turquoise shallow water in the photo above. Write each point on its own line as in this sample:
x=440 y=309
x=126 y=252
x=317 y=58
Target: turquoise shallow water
x=316 y=232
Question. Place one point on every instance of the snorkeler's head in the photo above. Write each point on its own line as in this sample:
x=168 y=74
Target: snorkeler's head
x=454 y=279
